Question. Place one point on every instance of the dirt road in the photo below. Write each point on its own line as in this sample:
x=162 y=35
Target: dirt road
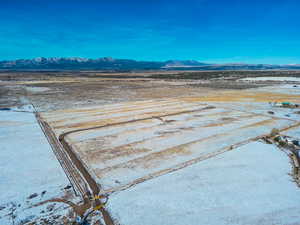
x=76 y=172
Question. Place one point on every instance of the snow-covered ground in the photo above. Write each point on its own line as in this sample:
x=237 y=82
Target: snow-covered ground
x=136 y=142
x=124 y=153
x=290 y=89
x=295 y=132
x=28 y=167
x=36 y=89
x=250 y=185
x=264 y=108
x=271 y=79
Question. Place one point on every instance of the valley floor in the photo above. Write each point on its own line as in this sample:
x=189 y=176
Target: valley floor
x=164 y=151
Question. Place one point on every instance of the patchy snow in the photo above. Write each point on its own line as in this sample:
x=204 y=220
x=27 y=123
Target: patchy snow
x=125 y=112
x=36 y=89
x=249 y=185
x=263 y=108
x=121 y=154
x=297 y=79
x=23 y=108
x=163 y=153
x=285 y=89
x=27 y=165
x=289 y=89
x=295 y=132
x=85 y=135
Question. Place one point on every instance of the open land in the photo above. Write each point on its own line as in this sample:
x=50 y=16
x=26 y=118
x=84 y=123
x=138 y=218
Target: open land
x=161 y=147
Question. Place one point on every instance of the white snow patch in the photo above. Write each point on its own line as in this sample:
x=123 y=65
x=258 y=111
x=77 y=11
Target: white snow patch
x=36 y=89
x=295 y=132
x=289 y=89
x=249 y=185
x=27 y=166
x=271 y=79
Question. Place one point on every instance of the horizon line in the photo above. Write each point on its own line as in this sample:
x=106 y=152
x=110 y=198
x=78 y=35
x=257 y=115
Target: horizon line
x=141 y=60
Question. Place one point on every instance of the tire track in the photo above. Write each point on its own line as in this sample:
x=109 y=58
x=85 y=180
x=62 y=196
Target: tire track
x=85 y=176
x=75 y=171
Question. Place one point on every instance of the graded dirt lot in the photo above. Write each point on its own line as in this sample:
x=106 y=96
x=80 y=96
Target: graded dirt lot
x=113 y=131
x=125 y=143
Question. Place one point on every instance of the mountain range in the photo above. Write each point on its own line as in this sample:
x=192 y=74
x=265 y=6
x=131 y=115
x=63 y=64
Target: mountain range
x=108 y=63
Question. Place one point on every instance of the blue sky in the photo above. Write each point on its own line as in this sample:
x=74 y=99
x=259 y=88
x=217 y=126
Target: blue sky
x=247 y=31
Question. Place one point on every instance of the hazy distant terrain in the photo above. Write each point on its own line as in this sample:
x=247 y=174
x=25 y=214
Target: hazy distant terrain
x=108 y=63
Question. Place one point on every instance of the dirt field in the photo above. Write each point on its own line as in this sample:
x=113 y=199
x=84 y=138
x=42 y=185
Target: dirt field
x=125 y=143
x=62 y=90
x=112 y=131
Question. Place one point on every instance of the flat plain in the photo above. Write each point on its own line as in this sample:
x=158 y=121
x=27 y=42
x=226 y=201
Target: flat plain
x=170 y=146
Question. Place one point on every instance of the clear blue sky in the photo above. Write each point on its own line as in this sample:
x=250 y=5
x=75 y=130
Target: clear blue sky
x=248 y=31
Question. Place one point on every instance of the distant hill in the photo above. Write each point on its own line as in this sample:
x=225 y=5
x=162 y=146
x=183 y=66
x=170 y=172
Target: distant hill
x=108 y=63
x=184 y=63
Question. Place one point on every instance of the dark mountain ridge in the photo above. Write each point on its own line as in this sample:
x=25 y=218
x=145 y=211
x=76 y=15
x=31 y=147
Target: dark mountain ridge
x=108 y=63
